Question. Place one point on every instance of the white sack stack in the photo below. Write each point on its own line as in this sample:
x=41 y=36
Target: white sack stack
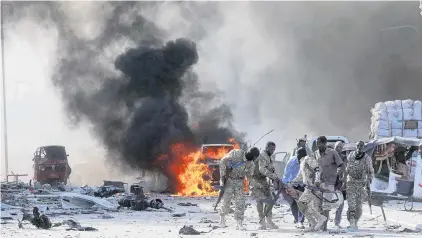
x=396 y=118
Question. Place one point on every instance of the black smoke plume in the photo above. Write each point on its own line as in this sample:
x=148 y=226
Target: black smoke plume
x=139 y=114
x=137 y=105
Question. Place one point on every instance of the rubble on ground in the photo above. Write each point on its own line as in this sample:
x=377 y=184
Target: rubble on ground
x=18 y=199
x=73 y=210
x=189 y=230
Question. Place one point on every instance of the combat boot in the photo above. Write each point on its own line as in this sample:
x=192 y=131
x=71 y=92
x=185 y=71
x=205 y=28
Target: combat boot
x=300 y=226
x=337 y=224
x=353 y=225
x=327 y=215
x=311 y=226
x=240 y=226
x=262 y=224
x=312 y=222
x=270 y=224
x=223 y=221
x=320 y=222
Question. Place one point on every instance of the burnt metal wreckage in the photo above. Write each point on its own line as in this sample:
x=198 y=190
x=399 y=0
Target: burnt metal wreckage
x=137 y=201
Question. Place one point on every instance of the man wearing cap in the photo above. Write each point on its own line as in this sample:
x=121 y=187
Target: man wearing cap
x=302 y=144
x=260 y=187
x=331 y=166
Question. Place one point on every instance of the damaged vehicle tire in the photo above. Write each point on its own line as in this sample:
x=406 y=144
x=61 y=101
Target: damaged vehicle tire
x=139 y=205
x=156 y=203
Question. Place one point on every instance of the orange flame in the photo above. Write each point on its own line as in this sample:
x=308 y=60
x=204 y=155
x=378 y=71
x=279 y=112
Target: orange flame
x=192 y=173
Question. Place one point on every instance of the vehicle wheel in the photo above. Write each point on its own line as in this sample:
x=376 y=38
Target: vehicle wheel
x=408 y=204
x=54 y=183
x=156 y=203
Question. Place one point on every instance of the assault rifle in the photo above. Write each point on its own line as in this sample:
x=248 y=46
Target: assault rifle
x=270 y=202
x=368 y=190
x=247 y=147
x=221 y=193
x=316 y=188
x=378 y=199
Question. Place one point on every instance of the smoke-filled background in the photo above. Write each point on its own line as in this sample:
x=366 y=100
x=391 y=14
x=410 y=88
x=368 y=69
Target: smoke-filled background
x=140 y=76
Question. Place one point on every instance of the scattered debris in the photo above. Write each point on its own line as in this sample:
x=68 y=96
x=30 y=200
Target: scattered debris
x=213 y=227
x=187 y=204
x=336 y=231
x=108 y=191
x=6 y=216
x=138 y=201
x=75 y=225
x=106 y=216
x=373 y=218
x=407 y=230
x=189 y=230
x=393 y=227
x=206 y=220
x=178 y=214
x=20 y=224
x=40 y=221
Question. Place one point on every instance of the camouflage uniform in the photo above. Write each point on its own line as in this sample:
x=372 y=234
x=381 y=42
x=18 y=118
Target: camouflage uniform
x=308 y=151
x=358 y=174
x=310 y=201
x=260 y=187
x=234 y=167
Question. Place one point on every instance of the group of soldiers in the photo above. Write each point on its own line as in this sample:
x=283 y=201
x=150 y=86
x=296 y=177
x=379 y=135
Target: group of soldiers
x=322 y=181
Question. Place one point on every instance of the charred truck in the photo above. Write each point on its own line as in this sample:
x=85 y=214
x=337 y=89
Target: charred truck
x=211 y=155
x=51 y=165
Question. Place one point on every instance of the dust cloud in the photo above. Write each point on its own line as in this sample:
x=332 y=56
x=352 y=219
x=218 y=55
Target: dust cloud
x=298 y=67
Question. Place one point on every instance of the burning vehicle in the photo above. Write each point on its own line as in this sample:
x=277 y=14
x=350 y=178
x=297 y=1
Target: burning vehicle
x=211 y=154
x=51 y=165
x=197 y=169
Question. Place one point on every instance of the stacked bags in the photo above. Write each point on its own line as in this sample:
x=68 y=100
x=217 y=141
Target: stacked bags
x=388 y=119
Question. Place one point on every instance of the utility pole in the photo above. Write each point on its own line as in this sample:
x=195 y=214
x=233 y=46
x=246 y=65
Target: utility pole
x=6 y=159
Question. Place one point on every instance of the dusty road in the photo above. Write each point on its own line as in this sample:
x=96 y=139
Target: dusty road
x=202 y=218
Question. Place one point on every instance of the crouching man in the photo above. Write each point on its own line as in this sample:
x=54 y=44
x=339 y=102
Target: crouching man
x=359 y=173
x=290 y=172
x=233 y=168
x=310 y=201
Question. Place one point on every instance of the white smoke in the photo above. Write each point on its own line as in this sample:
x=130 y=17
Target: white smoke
x=298 y=68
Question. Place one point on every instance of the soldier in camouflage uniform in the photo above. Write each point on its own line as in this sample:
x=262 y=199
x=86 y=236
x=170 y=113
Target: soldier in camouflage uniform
x=261 y=188
x=359 y=172
x=301 y=144
x=338 y=146
x=233 y=168
x=310 y=201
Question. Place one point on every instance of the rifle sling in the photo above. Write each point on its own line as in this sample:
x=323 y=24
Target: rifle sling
x=323 y=198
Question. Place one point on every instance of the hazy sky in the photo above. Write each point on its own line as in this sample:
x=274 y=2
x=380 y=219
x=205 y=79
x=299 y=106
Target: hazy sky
x=294 y=67
x=34 y=110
